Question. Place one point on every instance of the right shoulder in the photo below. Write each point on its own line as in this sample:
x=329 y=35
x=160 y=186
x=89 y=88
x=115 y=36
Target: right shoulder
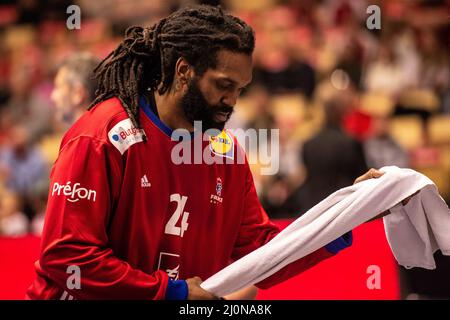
x=107 y=123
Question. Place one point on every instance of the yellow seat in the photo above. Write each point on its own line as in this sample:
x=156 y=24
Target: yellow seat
x=49 y=147
x=377 y=104
x=445 y=157
x=439 y=130
x=422 y=99
x=289 y=112
x=407 y=131
x=440 y=176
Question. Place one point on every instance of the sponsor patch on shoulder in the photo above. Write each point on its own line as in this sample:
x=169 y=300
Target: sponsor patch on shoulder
x=222 y=145
x=124 y=134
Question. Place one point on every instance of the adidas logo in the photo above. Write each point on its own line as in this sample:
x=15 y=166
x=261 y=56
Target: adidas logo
x=144 y=182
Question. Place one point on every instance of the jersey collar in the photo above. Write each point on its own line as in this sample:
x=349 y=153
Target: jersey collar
x=153 y=117
x=148 y=110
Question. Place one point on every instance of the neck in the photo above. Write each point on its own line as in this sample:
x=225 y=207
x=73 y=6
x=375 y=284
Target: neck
x=170 y=112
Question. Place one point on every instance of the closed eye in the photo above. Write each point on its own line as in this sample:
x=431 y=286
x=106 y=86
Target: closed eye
x=224 y=86
x=229 y=85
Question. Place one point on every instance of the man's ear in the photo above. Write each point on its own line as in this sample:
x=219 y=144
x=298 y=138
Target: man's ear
x=183 y=71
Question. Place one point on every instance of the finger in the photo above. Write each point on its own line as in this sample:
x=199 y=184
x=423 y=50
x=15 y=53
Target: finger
x=194 y=281
x=376 y=173
x=197 y=280
x=363 y=177
x=372 y=173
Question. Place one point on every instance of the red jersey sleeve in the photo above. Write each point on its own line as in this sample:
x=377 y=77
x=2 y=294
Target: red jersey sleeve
x=256 y=230
x=84 y=185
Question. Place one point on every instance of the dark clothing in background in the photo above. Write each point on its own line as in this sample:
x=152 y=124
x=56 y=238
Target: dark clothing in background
x=428 y=284
x=333 y=160
x=299 y=77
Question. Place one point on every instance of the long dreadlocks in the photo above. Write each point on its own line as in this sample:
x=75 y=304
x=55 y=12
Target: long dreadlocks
x=145 y=59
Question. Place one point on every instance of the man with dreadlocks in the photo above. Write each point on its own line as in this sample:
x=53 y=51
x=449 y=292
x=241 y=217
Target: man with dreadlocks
x=121 y=216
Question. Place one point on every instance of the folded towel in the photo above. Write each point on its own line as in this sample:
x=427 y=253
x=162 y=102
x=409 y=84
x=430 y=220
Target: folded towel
x=341 y=212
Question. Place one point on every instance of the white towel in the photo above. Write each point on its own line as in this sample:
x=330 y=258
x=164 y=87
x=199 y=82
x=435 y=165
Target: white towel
x=339 y=213
x=419 y=229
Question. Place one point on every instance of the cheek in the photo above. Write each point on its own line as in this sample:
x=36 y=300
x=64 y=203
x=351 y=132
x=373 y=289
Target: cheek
x=213 y=96
x=60 y=96
x=56 y=95
x=64 y=94
x=215 y=100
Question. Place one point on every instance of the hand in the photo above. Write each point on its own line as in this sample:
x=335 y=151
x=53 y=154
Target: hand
x=373 y=173
x=196 y=292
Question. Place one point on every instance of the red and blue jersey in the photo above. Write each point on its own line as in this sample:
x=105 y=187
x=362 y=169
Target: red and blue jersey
x=130 y=219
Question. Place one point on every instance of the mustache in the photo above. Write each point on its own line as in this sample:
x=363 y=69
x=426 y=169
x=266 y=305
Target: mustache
x=224 y=109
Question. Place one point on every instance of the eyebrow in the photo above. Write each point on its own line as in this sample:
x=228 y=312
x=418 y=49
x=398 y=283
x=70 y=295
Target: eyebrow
x=233 y=81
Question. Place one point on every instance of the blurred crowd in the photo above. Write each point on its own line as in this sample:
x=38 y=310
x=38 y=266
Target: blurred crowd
x=344 y=98
x=347 y=98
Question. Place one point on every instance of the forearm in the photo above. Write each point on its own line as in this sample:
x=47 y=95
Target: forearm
x=101 y=274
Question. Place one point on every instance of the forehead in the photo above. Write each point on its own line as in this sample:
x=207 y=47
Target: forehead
x=235 y=66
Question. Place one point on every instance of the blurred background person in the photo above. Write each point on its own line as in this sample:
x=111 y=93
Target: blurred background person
x=73 y=91
x=332 y=160
x=24 y=172
x=74 y=87
x=381 y=149
x=13 y=222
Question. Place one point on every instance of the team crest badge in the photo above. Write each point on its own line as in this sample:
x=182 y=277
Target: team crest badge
x=216 y=198
x=219 y=187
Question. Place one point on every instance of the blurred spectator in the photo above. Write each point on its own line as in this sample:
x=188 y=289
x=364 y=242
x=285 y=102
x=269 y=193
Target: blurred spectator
x=24 y=170
x=13 y=222
x=332 y=160
x=290 y=76
x=280 y=67
x=289 y=113
x=28 y=89
x=435 y=73
x=385 y=73
x=381 y=149
x=74 y=87
x=351 y=63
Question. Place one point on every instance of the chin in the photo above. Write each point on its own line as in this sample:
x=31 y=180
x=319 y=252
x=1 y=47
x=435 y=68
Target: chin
x=219 y=126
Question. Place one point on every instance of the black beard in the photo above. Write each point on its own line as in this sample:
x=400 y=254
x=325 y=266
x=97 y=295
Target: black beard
x=196 y=108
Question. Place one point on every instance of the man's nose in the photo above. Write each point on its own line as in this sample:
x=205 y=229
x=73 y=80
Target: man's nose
x=230 y=100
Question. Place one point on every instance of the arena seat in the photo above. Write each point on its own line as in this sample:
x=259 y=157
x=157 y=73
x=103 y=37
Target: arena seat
x=407 y=131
